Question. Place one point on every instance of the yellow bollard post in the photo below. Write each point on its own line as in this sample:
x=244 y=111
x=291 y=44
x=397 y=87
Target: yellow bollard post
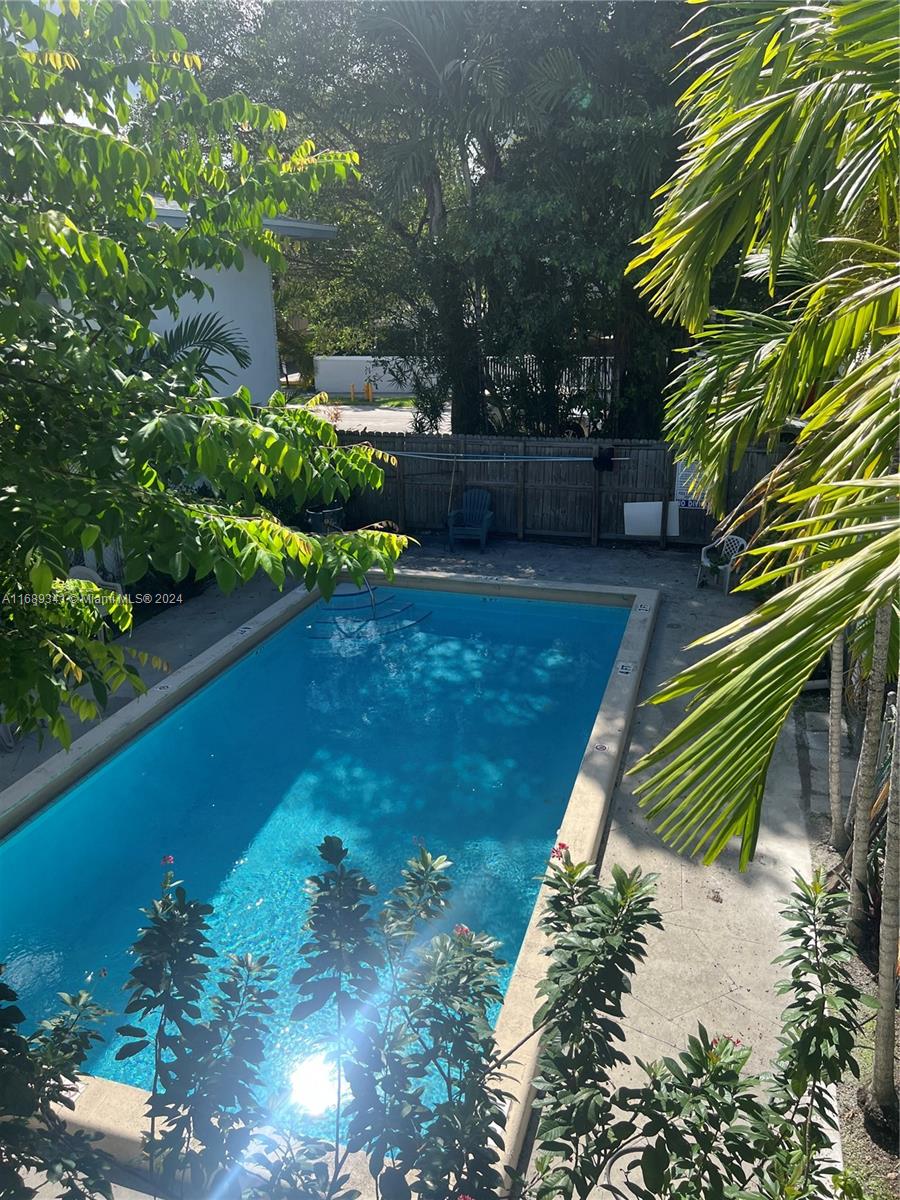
x=369 y=393
x=352 y=393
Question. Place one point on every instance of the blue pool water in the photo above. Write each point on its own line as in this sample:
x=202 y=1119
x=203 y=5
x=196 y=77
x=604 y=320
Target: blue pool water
x=450 y=720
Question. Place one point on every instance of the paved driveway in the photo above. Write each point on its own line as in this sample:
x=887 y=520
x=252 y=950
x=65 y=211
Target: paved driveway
x=374 y=418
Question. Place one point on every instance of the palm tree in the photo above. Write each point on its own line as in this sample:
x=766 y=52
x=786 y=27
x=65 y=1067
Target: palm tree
x=864 y=786
x=838 y=836
x=884 y=1091
x=453 y=90
x=789 y=160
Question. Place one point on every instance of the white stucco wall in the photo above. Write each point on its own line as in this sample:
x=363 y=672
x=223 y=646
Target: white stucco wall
x=243 y=298
x=335 y=373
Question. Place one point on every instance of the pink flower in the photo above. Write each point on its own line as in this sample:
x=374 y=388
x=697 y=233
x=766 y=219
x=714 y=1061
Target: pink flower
x=725 y=1038
x=559 y=850
x=462 y=1196
x=167 y=860
x=462 y=931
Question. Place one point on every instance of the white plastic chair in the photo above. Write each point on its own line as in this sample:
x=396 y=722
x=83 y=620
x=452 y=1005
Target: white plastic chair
x=89 y=575
x=726 y=550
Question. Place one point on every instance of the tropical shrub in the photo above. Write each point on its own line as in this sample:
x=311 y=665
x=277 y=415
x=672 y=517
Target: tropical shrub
x=419 y=1089
x=204 y=1107
x=698 y=1127
x=37 y=1077
x=404 y=1010
x=597 y=939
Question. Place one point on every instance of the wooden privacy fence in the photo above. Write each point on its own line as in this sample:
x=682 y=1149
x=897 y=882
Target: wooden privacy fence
x=540 y=498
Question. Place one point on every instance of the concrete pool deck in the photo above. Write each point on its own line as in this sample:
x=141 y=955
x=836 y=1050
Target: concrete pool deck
x=711 y=963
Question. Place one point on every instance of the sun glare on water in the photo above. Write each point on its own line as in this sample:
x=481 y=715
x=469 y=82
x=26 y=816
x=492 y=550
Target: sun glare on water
x=314 y=1085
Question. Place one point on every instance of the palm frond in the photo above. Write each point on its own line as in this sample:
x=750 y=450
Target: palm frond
x=713 y=402
x=787 y=117
x=711 y=789
x=557 y=78
x=750 y=373
x=204 y=336
x=790 y=152
x=839 y=506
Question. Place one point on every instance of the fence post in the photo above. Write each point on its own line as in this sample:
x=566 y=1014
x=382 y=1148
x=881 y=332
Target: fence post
x=520 y=495
x=595 y=500
x=401 y=497
x=667 y=498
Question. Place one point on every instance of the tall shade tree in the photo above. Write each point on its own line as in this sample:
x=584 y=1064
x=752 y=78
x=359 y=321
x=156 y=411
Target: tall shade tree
x=790 y=154
x=104 y=430
x=507 y=155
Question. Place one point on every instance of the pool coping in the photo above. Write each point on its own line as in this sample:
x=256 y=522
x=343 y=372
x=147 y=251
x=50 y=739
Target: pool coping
x=115 y=1110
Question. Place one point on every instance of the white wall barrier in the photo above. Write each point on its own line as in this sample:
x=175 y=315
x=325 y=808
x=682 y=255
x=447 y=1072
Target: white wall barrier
x=336 y=373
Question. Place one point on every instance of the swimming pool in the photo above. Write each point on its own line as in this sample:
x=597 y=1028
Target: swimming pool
x=449 y=719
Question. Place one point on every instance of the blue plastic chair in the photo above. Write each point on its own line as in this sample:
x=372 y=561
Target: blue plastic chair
x=473 y=520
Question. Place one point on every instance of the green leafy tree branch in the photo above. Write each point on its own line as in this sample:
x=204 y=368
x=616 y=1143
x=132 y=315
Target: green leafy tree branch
x=106 y=434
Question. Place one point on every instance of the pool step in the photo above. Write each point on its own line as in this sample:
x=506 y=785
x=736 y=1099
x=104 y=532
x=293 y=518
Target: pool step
x=366 y=616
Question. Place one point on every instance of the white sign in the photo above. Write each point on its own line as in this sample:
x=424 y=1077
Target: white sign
x=684 y=477
x=643 y=518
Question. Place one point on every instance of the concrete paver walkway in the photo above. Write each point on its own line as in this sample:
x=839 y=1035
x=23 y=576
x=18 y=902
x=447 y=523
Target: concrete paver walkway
x=711 y=964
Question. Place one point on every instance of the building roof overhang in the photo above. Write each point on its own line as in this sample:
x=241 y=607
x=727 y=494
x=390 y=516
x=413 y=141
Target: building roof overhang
x=173 y=214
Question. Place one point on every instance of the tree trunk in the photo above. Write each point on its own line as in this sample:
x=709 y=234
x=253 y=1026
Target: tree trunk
x=864 y=788
x=466 y=403
x=434 y=204
x=883 y=1075
x=457 y=345
x=838 y=838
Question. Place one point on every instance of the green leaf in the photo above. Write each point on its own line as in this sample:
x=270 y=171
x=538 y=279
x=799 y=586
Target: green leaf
x=130 y=1049
x=226 y=575
x=131 y=1031
x=41 y=577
